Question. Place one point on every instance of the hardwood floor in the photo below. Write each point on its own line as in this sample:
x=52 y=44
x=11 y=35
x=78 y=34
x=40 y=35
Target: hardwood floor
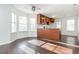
x=24 y=46
x=70 y=39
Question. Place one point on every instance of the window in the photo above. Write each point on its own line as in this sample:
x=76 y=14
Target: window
x=33 y=24
x=58 y=24
x=22 y=23
x=13 y=22
x=71 y=25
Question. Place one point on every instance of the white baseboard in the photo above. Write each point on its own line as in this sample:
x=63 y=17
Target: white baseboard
x=8 y=42
x=3 y=43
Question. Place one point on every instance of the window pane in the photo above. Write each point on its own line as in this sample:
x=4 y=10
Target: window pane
x=70 y=25
x=58 y=24
x=22 y=27
x=22 y=20
x=13 y=27
x=13 y=23
x=22 y=23
x=33 y=24
x=13 y=17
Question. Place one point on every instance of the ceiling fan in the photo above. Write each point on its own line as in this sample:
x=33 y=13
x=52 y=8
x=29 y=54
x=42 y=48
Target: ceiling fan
x=34 y=8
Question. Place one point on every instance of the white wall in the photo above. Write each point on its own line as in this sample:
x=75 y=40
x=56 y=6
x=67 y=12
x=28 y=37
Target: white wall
x=5 y=18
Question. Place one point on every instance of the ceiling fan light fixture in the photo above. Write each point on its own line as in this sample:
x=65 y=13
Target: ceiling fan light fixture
x=33 y=8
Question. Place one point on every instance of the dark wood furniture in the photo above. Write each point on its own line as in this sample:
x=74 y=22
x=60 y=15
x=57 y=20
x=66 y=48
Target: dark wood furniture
x=50 y=34
x=44 y=20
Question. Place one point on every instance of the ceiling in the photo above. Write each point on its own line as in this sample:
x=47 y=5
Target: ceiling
x=51 y=10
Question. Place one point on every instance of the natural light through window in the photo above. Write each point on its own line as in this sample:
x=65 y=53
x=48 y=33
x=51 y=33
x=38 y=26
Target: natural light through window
x=22 y=23
x=33 y=24
x=58 y=24
x=14 y=22
x=71 y=25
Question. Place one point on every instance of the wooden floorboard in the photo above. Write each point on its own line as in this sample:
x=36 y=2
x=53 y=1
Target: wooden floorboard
x=22 y=46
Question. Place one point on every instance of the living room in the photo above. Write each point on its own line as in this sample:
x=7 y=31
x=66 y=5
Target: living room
x=46 y=28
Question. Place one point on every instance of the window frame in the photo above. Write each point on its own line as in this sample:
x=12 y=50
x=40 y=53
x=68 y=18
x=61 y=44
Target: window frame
x=70 y=24
x=33 y=26
x=23 y=24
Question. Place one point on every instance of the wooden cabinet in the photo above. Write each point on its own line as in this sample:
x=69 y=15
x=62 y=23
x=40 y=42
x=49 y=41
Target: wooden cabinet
x=52 y=20
x=50 y=34
x=44 y=20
